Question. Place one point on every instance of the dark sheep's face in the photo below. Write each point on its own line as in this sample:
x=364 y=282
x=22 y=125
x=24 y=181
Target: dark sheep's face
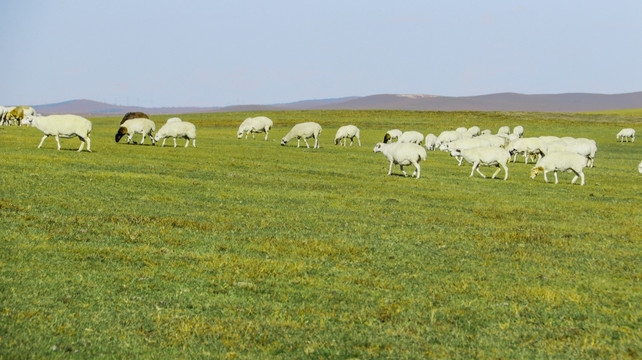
x=121 y=132
x=386 y=138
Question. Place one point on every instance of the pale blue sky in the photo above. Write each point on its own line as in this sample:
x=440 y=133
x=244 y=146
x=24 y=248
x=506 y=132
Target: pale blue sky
x=217 y=53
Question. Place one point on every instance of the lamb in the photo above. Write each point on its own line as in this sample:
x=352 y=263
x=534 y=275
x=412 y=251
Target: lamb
x=430 y=141
x=391 y=134
x=134 y=115
x=402 y=154
x=414 y=137
x=254 y=125
x=303 y=130
x=561 y=161
x=177 y=129
x=486 y=156
x=65 y=126
x=347 y=132
x=136 y=126
x=626 y=134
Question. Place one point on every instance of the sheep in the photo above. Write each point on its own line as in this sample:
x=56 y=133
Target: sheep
x=527 y=146
x=486 y=132
x=65 y=126
x=447 y=136
x=134 y=115
x=580 y=146
x=518 y=130
x=402 y=154
x=495 y=140
x=561 y=161
x=461 y=130
x=173 y=120
x=136 y=126
x=177 y=129
x=347 y=132
x=504 y=130
x=626 y=134
x=391 y=134
x=474 y=131
x=18 y=113
x=303 y=130
x=254 y=125
x=486 y=156
x=414 y=137
x=462 y=144
x=430 y=141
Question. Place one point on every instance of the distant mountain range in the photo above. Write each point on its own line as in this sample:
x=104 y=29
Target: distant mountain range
x=570 y=102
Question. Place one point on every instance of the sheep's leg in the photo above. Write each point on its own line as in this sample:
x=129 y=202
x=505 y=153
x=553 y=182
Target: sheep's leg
x=472 y=172
x=194 y=142
x=57 y=141
x=316 y=141
x=82 y=143
x=142 y=140
x=460 y=160
x=505 y=171
x=480 y=173
x=545 y=177
x=417 y=170
x=401 y=167
x=43 y=140
x=163 y=143
x=186 y=142
x=88 y=143
x=497 y=172
x=359 y=140
x=390 y=169
x=581 y=178
x=174 y=141
x=555 y=172
x=306 y=142
x=298 y=142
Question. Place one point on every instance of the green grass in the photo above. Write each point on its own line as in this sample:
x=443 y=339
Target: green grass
x=246 y=249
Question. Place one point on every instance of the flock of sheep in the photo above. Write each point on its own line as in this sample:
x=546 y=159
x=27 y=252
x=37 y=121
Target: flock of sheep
x=477 y=147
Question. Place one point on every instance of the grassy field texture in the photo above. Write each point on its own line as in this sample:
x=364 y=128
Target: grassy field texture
x=247 y=249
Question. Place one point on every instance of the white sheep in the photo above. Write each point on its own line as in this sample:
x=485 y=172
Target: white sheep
x=392 y=134
x=173 y=120
x=505 y=130
x=495 y=140
x=447 y=136
x=61 y=126
x=473 y=131
x=561 y=161
x=347 y=132
x=430 y=141
x=485 y=156
x=177 y=129
x=402 y=154
x=580 y=146
x=529 y=147
x=414 y=137
x=626 y=134
x=136 y=126
x=463 y=144
x=303 y=131
x=486 y=132
x=254 y=125
x=461 y=129
x=518 y=130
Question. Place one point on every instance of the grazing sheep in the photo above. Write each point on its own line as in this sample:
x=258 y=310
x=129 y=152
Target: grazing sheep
x=414 y=137
x=504 y=130
x=580 y=146
x=447 y=136
x=518 y=130
x=254 y=125
x=529 y=147
x=461 y=130
x=495 y=140
x=486 y=132
x=61 y=126
x=473 y=131
x=18 y=113
x=402 y=154
x=430 y=141
x=136 y=126
x=173 y=120
x=177 y=129
x=561 y=161
x=303 y=131
x=462 y=144
x=486 y=156
x=347 y=132
x=391 y=134
x=626 y=134
x=134 y=115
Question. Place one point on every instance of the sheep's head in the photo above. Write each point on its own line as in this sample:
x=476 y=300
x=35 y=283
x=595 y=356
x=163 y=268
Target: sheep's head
x=378 y=147
x=239 y=134
x=386 y=138
x=536 y=170
x=283 y=142
x=455 y=152
x=121 y=132
x=26 y=121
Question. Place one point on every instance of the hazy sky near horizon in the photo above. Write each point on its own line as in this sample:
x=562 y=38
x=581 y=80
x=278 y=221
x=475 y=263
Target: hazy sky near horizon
x=218 y=53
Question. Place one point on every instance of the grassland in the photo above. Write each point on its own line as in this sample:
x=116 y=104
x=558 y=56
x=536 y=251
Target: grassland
x=246 y=249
